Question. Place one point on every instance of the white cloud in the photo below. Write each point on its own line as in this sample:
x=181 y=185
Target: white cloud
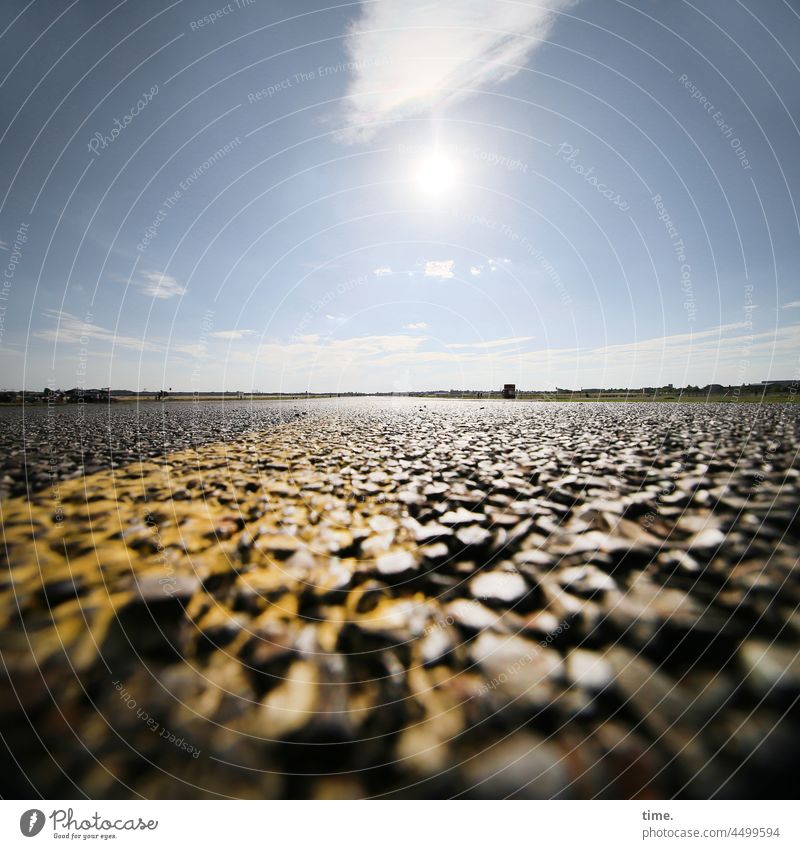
x=382 y=271
x=791 y=305
x=410 y=55
x=491 y=343
x=232 y=334
x=70 y=329
x=441 y=268
x=375 y=346
x=156 y=284
x=416 y=325
x=729 y=354
x=326 y=355
x=706 y=356
x=683 y=341
x=475 y=270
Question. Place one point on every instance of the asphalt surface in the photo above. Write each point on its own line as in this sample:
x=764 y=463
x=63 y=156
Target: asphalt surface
x=409 y=598
x=41 y=444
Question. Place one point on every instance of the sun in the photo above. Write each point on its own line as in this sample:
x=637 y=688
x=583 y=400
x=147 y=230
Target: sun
x=436 y=174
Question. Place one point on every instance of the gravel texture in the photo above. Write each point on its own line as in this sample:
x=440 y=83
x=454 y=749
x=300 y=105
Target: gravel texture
x=40 y=444
x=409 y=598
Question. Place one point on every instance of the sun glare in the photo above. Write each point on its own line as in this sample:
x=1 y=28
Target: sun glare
x=436 y=174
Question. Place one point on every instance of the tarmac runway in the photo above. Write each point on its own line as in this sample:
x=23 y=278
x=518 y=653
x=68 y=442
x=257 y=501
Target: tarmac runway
x=402 y=597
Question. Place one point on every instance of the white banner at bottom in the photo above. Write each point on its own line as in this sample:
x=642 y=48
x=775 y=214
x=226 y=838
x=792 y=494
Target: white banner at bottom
x=400 y=824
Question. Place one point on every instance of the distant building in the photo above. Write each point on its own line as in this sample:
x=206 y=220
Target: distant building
x=509 y=390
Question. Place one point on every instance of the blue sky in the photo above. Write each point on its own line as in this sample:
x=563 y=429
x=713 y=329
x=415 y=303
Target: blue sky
x=395 y=195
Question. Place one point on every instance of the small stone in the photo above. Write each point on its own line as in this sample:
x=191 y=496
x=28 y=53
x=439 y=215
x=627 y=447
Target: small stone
x=396 y=562
x=473 y=536
x=474 y=616
x=770 y=668
x=535 y=557
x=226 y=528
x=498 y=586
x=462 y=517
x=680 y=559
x=377 y=544
x=279 y=545
x=435 y=489
x=707 y=540
x=586 y=580
x=382 y=524
x=588 y=670
x=410 y=497
x=428 y=531
x=301 y=562
x=517 y=665
x=436 y=644
x=436 y=551
x=543 y=623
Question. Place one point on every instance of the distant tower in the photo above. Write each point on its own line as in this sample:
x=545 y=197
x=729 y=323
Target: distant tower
x=509 y=390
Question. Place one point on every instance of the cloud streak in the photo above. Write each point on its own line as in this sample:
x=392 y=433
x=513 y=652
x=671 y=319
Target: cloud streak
x=232 y=334
x=411 y=55
x=491 y=343
x=69 y=329
x=713 y=355
x=156 y=284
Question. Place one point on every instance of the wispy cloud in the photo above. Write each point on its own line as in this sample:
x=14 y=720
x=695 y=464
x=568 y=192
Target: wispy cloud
x=410 y=55
x=685 y=341
x=791 y=305
x=416 y=325
x=712 y=355
x=69 y=329
x=233 y=334
x=491 y=343
x=729 y=353
x=156 y=284
x=311 y=348
x=441 y=268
